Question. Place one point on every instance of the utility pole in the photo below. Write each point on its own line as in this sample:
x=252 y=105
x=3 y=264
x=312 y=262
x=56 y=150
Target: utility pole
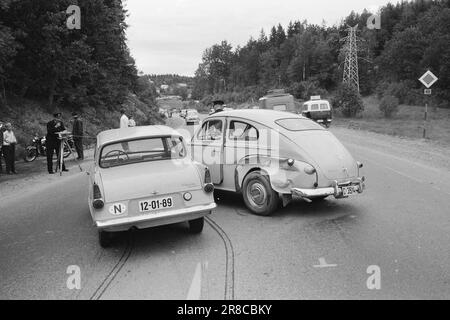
x=351 y=75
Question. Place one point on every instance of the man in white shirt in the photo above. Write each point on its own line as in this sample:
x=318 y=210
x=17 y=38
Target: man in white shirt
x=9 y=149
x=124 y=121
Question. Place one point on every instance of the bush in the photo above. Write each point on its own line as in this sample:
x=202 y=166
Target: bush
x=404 y=91
x=305 y=89
x=389 y=106
x=348 y=101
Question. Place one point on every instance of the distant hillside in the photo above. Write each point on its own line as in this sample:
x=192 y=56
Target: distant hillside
x=307 y=59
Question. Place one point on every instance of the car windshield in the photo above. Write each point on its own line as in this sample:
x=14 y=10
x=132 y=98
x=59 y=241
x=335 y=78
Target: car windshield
x=298 y=124
x=142 y=150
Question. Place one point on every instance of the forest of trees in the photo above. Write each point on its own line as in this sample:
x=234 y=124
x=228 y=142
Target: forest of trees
x=307 y=59
x=42 y=59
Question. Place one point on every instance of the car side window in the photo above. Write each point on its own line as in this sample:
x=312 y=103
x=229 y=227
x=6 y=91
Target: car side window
x=211 y=130
x=241 y=131
x=324 y=106
x=314 y=107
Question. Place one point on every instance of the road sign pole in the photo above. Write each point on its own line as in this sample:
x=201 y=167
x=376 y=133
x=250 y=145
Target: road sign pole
x=428 y=79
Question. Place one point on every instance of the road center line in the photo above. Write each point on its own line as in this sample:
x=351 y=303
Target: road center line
x=405 y=175
x=196 y=286
x=323 y=264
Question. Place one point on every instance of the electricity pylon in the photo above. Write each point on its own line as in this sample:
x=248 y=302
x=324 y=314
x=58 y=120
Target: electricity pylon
x=351 y=75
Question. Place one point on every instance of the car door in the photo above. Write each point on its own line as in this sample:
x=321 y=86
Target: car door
x=207 y=147
x=242 y=140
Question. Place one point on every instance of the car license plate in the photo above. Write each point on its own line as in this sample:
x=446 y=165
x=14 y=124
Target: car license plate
x=348 y=191
x=155 y=204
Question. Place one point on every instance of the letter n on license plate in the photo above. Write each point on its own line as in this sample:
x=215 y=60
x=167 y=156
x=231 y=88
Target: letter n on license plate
x=155 y=204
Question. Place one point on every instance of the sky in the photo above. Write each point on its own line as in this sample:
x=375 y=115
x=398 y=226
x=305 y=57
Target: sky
x=170 y=36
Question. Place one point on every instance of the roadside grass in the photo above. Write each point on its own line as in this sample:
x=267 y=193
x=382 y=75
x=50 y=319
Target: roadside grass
x=408 y=122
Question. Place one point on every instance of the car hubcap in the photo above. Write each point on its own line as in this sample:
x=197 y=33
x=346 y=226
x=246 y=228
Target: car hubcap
x=256 y=194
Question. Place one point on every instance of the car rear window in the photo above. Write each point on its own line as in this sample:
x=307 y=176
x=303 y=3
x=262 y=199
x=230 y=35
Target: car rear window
x=324 y=106
x=298 y=124
x=142 y=150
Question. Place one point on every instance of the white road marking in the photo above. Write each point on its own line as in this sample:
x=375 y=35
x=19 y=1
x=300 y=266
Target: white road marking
x=195 y=290
x=323 y=264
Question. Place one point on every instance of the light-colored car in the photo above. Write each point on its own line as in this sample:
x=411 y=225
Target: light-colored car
x=142 y=177
x=318 y=110
x=192 y=117
x=271 y=156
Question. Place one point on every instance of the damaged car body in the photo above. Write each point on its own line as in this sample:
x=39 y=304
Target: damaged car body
x=271 y=156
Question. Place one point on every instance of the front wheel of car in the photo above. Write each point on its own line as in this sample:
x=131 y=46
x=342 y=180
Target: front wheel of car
x=258 y=194
x=196 y=226
x=105 y=238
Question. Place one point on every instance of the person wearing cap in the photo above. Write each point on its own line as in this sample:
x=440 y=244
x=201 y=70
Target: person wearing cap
x=124 y=121
x=78 y=132
x=218 y=106
x=53 y=143
x=9 y=149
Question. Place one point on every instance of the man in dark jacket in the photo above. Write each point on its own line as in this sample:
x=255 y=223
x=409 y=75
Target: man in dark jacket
x=77 y=132
x=53 y=142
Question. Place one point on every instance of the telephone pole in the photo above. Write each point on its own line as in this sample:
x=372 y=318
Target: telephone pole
x=351 y=75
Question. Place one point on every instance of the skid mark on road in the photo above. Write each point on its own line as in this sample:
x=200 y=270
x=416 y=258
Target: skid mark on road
x=97 y=295
x=229 y=266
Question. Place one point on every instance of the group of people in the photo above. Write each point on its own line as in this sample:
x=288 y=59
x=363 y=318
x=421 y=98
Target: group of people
x=55 y=128
x=8 y=143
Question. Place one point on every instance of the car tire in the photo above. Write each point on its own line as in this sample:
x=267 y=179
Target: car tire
x=259 y=197
x=105 y=238
x=196 y=226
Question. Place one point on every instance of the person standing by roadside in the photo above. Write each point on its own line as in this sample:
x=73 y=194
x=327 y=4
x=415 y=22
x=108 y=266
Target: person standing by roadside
x=9 y=149
x=124 y=121
x=1 y=146
x=78 y=132
x=53 y=142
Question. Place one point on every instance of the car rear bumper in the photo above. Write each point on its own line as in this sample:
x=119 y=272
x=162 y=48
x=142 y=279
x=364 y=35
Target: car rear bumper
x=337 y=189
x=153 y=220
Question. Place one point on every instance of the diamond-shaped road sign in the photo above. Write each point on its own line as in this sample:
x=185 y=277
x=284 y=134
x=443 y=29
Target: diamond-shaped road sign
x=428 y=79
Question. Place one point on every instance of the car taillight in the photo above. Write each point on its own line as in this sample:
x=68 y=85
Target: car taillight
x=98 y=202
x=208 y=187
x=207 y=176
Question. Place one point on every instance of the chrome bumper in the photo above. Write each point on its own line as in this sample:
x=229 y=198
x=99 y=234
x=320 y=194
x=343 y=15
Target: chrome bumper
x=335 y=190
x=154 y=220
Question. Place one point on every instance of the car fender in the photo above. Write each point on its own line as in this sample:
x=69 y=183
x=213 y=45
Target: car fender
x=282 y=177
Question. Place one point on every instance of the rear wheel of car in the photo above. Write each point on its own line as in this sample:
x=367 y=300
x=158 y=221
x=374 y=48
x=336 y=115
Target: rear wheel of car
x=196 y=226
x=258 y=194
x=105 y=238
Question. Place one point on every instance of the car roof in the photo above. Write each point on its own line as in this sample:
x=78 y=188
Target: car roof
x=264 y=116
x=134 y=133
x=316 y=101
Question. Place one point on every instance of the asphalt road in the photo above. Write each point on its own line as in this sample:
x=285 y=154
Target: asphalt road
x=401 y=224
